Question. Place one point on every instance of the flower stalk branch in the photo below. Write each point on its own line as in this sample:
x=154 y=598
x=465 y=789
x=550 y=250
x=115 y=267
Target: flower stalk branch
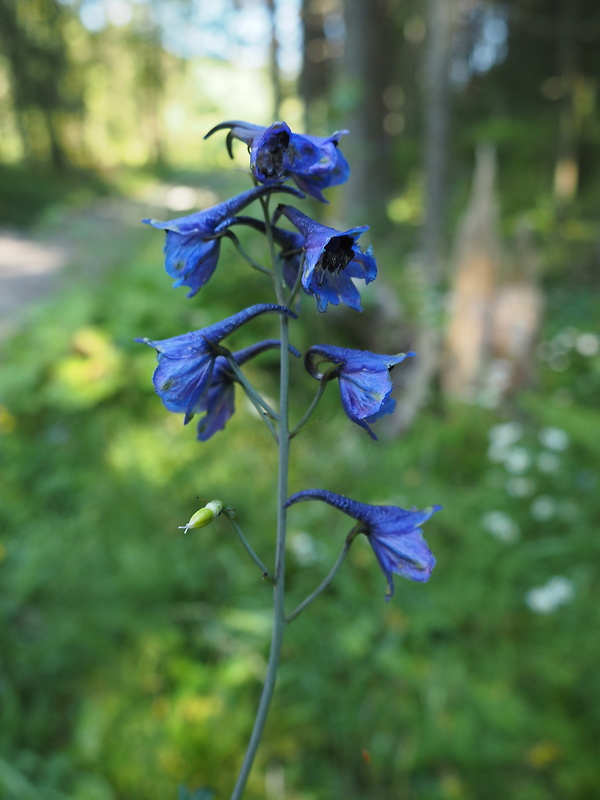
x=324 y=583
x=309 y=411
x=230 y=514
x=246 y=256
x=266 y=413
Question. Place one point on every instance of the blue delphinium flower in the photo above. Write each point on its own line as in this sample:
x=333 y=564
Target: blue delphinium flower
x=218 y=400
x=186 y=363
x=193 y=242
x=364 y=378
x=314 y=162
x=393 y=533
x=332 y=259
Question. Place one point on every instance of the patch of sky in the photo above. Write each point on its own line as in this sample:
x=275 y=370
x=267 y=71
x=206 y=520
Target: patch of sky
x=289 y=36
x=239 y=33
x=481 y=42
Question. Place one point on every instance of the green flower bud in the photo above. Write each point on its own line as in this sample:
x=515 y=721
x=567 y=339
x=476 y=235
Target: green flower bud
x=204 y=516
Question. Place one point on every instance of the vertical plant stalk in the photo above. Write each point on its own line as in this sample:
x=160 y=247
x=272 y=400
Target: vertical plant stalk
x=282 y=494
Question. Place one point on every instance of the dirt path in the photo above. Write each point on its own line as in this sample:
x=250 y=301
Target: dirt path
x=86 y=241
x=82 y=242
x=28 y=272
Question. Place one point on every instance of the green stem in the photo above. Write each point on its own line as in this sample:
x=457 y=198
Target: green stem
x=277 y=272
x=265 y=572
x=279 y=571
x=323 y=585
x=238 y=245
x=267 y=414
x=309 y=411
x=296 y=287
x=249 y=389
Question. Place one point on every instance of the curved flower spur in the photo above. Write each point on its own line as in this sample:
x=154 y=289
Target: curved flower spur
x=313 y=162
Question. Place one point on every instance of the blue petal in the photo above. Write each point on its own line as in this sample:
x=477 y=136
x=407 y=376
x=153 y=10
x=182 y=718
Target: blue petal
x=307 y=226
x=327 y=282
x=331 y=289
x=363 y=265
x=338 y=171
x=277 y=153
x=220 y=406
x=365 y=383
x=387 y=407
x=181 y=383
x=363 y=393
x=190 y=261
x=407 y=555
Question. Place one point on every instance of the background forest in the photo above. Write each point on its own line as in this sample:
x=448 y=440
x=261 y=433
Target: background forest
x=131 y=656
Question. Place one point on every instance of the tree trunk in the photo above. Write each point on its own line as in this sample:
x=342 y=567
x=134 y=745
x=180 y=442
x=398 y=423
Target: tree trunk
x=436 y=98
x=366 y=70
x=274 y=63
x=566 y=173
x=316 y=76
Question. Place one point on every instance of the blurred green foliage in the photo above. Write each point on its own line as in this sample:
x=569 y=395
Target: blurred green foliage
x=132 y=655
x=25 y=194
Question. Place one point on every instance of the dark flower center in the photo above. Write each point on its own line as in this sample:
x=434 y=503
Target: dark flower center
x=269 y=160
x=337 y=253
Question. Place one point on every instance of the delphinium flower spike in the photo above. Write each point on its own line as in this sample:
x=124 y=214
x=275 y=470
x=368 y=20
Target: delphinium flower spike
x=193 y=242
x=332 y=260
x=276 y=153
x=364 y=379
x=393 y=533
x=186 y=363
x=195 y=373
